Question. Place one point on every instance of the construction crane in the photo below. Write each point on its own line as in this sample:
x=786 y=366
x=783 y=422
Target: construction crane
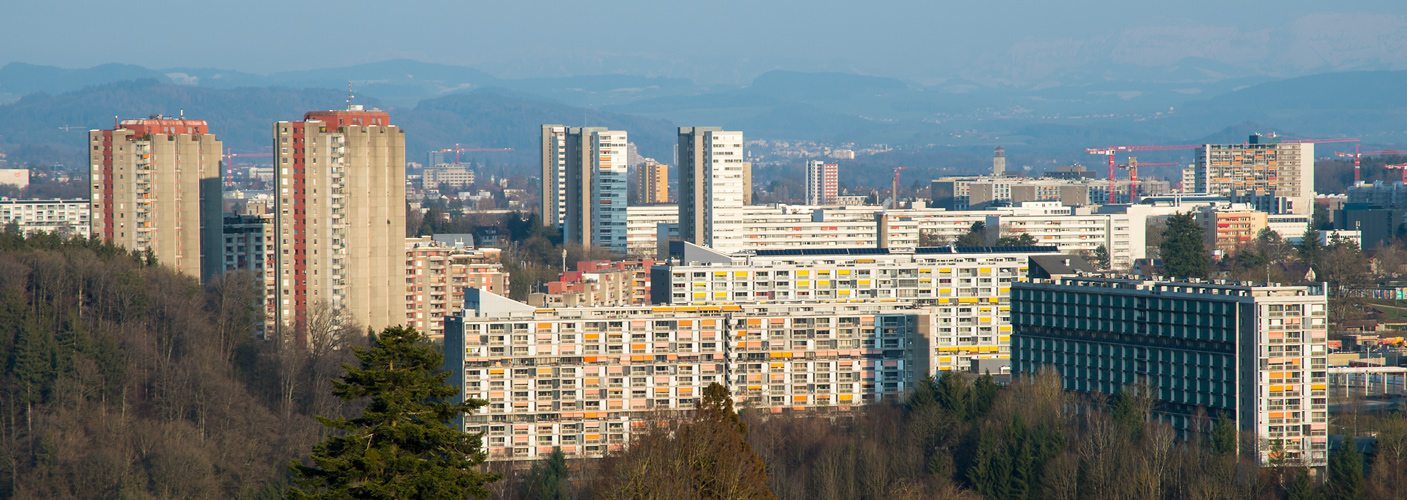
x=1113 y=166
x=1358 y=155
x=1112 y=150
x=1403 y=168
x=894 y=189
x=1132 y=167
x=458 y=150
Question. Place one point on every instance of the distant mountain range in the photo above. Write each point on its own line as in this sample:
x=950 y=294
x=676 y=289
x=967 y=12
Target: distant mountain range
x=47 y=109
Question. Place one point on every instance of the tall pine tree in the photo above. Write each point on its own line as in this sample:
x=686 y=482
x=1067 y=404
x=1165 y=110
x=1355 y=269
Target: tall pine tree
x=1183 y=250
x=1346 y=471
x=402 y=445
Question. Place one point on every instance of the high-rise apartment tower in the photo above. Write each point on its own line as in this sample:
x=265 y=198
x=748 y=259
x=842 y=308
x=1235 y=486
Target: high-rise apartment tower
x=651 y=184
x=156 y=187
x=339 y=225
x=596 y=185
x=821 y=183
x=712 y=185
x=1276 y=178
x=554 y=176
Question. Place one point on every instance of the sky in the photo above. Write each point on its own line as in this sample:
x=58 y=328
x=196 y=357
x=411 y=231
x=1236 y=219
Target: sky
x=723 y=41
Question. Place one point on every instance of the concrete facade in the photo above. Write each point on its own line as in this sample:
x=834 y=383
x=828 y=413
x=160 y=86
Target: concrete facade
x=155 y=186
x=339 y=220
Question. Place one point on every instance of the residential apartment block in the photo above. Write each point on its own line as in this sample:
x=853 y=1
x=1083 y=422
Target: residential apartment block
x=651 y=184
x=714 y=185
x=155 y=186
x=436 y=275
x=65 y=218
x=1273 y=176
x=584 y=379
x=445 y=176
x=1253 y=353
x=339 y=219
x=822 y=183
x=554 y=176
x=647 y=225
x=965 y=291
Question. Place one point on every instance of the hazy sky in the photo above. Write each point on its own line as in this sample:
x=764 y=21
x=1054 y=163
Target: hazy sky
x=717 y=41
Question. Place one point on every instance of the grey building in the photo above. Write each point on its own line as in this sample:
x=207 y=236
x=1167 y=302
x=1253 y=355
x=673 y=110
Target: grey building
x=1255 y=354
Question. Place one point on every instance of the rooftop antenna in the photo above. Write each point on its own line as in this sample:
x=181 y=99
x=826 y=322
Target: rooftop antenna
x=349 y=95
x=183 y=113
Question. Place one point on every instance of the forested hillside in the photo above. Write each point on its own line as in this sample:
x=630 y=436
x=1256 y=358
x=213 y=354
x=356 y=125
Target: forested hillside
x=123 y=379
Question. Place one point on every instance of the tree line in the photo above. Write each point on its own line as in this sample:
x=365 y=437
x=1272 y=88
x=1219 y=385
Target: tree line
x=124 y=379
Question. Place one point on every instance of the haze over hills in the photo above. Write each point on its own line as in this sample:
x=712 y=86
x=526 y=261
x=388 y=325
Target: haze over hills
x=443 y=105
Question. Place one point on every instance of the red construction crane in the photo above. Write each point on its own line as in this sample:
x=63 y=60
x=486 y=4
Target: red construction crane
x=458 y=150
x=1400 y=166
x=1113 y=166
x=1132 y=167
x=1357 y=156
x=894 y=189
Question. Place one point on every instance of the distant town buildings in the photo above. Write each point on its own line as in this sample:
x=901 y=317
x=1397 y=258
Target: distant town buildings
x=451 y=175
x=156 y=188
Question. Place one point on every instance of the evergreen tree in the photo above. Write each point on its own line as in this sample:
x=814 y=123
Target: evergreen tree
x=984 y=393
x=401 y=446
x=1310 y=248
x=1183 y=250
x=1224 y=436
x=923 y=395
x=1302 y=487
x=1024 y=240
x=548 y=479
x=1023 y=470
x=976 y=236
x=1101 y=257
x=954 y=394
x=980 y=473
x=1346 y=471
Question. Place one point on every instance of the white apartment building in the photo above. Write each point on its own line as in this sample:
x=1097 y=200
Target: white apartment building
x=610 y=188
x=65 y=218
x=554 y=176
x=967 y=291
x=1122 y=235
x=822 y=183
x=584 y=379
x=447 y=175
x=643 y=227
x=712 y=185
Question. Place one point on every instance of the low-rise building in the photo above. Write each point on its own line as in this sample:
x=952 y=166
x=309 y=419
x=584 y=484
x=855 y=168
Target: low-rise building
x=1255 y=354
x=642 y=227
x=447 y=175
x=66 y=218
